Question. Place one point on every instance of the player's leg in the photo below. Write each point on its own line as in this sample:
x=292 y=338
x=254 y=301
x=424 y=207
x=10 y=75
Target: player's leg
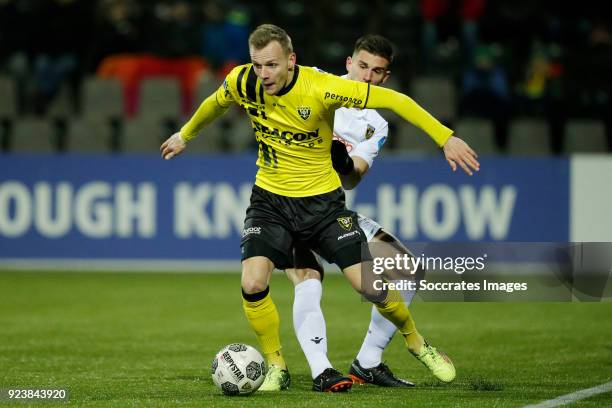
x=265 y=244
x=262 y=315
x=436 y=361
x=368 y=366
x=342 y=241
x=259 y=308
x=309 y=322
x=380 y=330
x=391 y=305
x=308 y=319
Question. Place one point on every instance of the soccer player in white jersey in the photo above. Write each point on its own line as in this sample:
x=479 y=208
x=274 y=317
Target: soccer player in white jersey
x=359 y=134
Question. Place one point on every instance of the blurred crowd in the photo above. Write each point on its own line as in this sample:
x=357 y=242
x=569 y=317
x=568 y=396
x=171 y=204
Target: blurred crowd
x=504 y=58
x=46 y=43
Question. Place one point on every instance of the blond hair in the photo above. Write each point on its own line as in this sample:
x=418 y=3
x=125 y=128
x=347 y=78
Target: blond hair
x=266 y=33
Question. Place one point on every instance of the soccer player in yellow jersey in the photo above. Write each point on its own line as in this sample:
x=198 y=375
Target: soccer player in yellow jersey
x=297 y=195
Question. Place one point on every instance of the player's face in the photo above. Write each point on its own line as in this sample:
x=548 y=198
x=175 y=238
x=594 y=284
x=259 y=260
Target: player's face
x=273 y=66
x=366 y=67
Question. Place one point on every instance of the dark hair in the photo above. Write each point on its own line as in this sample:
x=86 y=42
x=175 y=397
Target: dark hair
x=376 y=45
x=266 y=33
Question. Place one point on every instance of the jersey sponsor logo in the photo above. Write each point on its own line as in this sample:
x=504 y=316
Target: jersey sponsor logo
x=287 y=137
x=337 y=97
x=369 y=131
x=251 y=230
x=346 y=222
x=304 y=111
x=349 y=234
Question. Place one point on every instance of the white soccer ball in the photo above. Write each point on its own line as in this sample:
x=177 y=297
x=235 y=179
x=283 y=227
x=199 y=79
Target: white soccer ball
x=238 y=369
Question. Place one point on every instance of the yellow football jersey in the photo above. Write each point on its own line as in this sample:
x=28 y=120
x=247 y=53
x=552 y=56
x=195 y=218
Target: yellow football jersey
x=293 y=128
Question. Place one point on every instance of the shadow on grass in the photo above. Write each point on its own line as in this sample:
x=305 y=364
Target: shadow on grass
x=482 y=384
x=190 y=378
x=476 y=383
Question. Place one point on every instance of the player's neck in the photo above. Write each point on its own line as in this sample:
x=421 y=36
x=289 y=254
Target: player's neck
x=289 y=82
x=290 y=75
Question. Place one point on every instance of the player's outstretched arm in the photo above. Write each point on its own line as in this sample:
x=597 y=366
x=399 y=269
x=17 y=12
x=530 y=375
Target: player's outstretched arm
x=458 y=152
x=173 y=146
x=208 y=111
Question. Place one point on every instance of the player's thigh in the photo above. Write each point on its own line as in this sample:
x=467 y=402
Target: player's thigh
x=306 y=264
x=340 y=240
x=386 y=245
x=353 y=275
x=382 y=236
x=266 y=230
x=267 y=237
x=264 y=246
x=365 y=282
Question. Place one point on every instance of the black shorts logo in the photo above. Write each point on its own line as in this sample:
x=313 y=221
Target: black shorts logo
x=346 y=223
x=304 y=111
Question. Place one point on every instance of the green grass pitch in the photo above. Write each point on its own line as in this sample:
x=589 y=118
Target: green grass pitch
x=133 y=339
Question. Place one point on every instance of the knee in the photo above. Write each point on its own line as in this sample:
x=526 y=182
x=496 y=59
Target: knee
x=255 y=274
x=252 y=285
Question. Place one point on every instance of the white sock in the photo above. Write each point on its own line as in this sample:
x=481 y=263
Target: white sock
x=309 y=325
x=380 y=333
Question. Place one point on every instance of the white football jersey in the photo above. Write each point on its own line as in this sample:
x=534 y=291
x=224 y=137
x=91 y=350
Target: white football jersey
x=363 y=131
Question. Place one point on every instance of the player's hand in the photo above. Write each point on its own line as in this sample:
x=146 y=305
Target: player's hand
x=457 y=152
x=173 y=146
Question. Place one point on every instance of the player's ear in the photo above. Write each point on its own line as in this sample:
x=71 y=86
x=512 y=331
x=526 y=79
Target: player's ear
x=349 y=62
x=292 y=60
x=387 y=75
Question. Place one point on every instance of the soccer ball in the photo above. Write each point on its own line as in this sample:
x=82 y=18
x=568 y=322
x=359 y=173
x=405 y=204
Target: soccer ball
x=238 y=369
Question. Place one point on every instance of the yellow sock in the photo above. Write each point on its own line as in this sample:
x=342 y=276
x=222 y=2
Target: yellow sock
x=395 y=310
x=263 y=318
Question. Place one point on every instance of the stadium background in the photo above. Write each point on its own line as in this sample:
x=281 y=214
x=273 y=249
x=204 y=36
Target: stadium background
x=88 y=90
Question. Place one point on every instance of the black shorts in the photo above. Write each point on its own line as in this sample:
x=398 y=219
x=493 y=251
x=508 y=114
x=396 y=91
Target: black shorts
x=305 y=258
x=274 y=223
